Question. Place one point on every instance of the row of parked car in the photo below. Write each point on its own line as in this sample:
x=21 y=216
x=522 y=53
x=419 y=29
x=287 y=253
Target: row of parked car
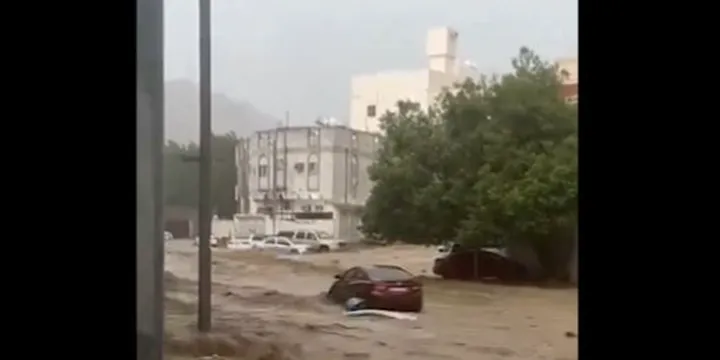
x=292 y=242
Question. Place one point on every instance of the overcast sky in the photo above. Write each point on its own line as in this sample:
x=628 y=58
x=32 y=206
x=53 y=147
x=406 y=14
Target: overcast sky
x=299 y=55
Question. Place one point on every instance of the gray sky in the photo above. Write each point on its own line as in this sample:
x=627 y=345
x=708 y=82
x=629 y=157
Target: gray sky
x=299 y=55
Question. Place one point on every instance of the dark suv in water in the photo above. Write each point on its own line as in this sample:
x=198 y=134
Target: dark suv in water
x=479 y=264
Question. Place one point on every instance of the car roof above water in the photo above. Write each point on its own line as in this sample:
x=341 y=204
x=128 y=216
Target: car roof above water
x=387 y=273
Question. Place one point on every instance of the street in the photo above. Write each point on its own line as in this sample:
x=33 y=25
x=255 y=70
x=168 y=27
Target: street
x=269 y=308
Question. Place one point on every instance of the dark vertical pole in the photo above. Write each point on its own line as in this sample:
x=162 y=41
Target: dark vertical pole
x=285 y=156
x=246 y=187
x=345 y=211
x=205 y=221
x=240 y=170
x=274 y=181
x=347 y=156
x=150 y=244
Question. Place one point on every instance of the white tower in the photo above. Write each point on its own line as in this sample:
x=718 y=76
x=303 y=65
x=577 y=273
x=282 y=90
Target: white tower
x=441 y=49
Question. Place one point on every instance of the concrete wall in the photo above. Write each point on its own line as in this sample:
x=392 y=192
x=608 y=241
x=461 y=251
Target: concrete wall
x=384 y=89
x=438 y=83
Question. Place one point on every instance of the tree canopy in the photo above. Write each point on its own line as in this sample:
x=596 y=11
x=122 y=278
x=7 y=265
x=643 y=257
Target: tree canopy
x=181 y=174
x=494 y=162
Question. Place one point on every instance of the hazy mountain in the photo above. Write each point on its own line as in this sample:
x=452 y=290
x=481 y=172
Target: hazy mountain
x=182 y=113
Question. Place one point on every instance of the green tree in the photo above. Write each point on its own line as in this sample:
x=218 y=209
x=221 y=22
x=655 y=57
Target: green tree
x=494 y=164
x=181 y=174
x=224 y=174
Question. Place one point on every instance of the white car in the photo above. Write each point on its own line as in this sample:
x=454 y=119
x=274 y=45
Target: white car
x=282 y=244
x=257 y=240
x=240 y=244
x=323 y=240
x=213 y=241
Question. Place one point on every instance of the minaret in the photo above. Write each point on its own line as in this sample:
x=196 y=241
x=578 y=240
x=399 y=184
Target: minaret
x=441 y=49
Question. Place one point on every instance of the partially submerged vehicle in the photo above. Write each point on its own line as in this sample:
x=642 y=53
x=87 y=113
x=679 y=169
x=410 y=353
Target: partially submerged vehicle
x=479 y=264
x=325 y=241
x=284 y=245
x=382 y=287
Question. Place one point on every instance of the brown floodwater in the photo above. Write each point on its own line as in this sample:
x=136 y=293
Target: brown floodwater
x=265 y=308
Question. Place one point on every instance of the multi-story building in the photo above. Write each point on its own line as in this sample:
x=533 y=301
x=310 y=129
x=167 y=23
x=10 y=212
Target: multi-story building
x=568 y=69
x=372 y=95
x=309 y=172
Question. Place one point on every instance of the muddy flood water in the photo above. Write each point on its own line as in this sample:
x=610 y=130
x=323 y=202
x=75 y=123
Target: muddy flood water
x=270 y=309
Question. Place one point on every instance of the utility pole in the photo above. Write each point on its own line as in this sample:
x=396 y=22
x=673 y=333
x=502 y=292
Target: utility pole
x=285 y=159
x=205 y=215
x=246 y=185
x=347 y=156
x=149 y=118
x=243 y=175
x=274 y=182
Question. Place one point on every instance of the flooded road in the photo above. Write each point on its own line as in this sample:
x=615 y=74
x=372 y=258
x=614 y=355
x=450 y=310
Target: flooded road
x=268 y=308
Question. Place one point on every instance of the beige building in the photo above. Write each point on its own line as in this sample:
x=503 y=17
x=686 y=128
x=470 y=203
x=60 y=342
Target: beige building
x=372 y=95
x=318 y=172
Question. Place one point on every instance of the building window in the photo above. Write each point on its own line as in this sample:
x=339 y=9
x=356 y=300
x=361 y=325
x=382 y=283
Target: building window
x=319 y=208
x=299 y=167
x=280 y=172
x=306 y=208
x=371 y=111
x=354 y=174
x=313 y=173
x=313 y=137
x=262 y=167
x=263 y=177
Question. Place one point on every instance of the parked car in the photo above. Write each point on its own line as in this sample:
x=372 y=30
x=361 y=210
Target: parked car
x=325 y=242
x=256 y=240
x=240 y=244
x=168 y=236
x=490 y=263
x=385 y=287
x=285 y=245
x=213 y=241
x=447 y=249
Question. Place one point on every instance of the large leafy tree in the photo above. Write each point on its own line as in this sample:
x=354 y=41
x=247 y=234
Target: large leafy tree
x=407 y=160
x=494 y=164
x=181 y=174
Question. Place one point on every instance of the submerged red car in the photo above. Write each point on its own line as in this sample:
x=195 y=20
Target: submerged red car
x=385 y=287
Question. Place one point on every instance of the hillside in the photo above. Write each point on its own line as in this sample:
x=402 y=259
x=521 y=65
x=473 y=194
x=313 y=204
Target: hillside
x=182 y=111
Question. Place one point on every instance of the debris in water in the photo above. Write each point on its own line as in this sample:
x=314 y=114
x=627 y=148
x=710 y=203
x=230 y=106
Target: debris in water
x=383 y=313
